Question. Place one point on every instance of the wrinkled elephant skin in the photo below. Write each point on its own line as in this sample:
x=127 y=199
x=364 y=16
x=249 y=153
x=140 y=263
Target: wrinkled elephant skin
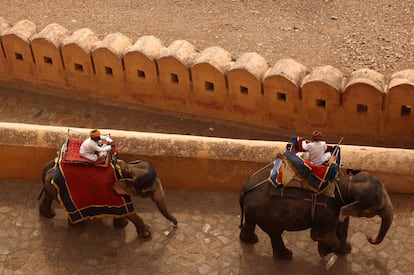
x=361 y=195
x=139 y=179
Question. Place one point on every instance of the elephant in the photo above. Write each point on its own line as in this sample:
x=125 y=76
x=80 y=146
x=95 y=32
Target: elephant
x=290 y=209
x=139 y=179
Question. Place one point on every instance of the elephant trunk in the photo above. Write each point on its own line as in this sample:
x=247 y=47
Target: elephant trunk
x=158 y=197
x=386 y=215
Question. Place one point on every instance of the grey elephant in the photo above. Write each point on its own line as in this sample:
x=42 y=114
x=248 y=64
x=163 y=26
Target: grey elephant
x=139 y=179
x=359 y=195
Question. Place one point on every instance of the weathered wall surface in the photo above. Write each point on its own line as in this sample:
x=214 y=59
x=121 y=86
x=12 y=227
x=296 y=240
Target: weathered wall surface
x=364 y=106
x=190 y=162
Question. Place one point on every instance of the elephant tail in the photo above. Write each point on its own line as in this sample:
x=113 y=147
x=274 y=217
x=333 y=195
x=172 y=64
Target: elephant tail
x=244 y=190
x=41 y=193
x=241 y=202
x=49 y=165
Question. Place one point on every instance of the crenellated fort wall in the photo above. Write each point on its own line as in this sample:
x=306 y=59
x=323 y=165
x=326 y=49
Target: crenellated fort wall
x=365 y=106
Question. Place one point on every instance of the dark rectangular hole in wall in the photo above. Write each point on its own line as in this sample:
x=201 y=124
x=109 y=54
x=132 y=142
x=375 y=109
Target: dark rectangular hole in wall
x=18 y=56
x=244 y=90
x=174 y=78
x=48 y=60
x=321 y=103
x=405 y=110
x=362 y=108
x=141 y=74
x=209 y=86
x=281 y=96
x=78 y=67
x=108 y=71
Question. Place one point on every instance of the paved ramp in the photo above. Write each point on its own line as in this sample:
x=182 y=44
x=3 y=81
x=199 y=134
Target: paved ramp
x=205 y=242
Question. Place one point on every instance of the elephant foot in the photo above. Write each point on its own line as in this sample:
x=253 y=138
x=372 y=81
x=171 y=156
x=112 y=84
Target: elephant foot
x=247 y=235
x=248 y=238
x=145 y=233
x=47 y=212
x=346 y=249
x=285 y=254
x=120 y=222
x=323 y=249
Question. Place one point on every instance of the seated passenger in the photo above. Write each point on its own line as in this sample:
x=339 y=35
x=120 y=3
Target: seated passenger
x=92 y=147
x=316 y=149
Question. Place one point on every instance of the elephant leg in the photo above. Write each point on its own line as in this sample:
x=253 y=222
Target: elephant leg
x=279 y=249
x=143 y=230
x=247 y=233
x=342 y=233
x=120 y=222
x=323 y=249
x=330 y=242
x=45 y=207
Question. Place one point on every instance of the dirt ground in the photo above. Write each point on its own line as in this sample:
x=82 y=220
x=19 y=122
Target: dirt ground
x=38 y=107
x=348 y=35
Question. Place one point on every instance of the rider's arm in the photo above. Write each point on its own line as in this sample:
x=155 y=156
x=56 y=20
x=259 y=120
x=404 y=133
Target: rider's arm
x=107 y=139
x=105 y=148
x=304 y=145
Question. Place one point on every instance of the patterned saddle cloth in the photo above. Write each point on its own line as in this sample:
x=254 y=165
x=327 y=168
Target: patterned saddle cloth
x=289 y=170
x=85 y=191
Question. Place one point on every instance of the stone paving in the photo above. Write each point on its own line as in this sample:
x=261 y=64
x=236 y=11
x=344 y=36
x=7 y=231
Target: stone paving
x=205 y=241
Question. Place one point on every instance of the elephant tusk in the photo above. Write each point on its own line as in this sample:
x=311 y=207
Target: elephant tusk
x=341 y=217
x=372 y=240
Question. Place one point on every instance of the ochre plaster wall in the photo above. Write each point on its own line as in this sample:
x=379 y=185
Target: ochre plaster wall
x=190 y=162
x=280 y=97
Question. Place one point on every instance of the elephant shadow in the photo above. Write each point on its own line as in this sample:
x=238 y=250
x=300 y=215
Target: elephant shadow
x=265 y=264
x=258 y=258
x=255 y=261
x=85 y=246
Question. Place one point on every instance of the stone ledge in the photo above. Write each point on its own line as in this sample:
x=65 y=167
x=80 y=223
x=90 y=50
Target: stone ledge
x=191 y=162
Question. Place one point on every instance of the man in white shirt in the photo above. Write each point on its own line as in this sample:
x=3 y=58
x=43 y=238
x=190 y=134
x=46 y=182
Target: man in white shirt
x=316 y=149
x=91 y=147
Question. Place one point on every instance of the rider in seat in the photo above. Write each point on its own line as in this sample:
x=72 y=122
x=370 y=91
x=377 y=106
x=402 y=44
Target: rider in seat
x=317 y=149
x=92 y=147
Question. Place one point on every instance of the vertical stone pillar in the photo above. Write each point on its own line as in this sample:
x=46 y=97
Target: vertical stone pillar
x=107 y=57
x=46 y=47
x=245 y=88
x=209 y=83
x=321 y=101
x=18 y=52
x=399 y=112
x=141 y=71
x=363 y=101
x=76 y=54
x=174 y=75
x=281 y=88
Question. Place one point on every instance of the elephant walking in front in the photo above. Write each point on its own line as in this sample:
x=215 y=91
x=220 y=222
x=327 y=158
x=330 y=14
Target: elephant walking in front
x=139 y=179
x=360 y=195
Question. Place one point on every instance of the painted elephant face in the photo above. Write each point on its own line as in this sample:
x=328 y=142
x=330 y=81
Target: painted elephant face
x=131 y=188
x=355 y=209
x=370 y=199
x=124 y=188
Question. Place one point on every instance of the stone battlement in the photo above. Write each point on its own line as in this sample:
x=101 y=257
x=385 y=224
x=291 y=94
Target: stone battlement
x=365 y=106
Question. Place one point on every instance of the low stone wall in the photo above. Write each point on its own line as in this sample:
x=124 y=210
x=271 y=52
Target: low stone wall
x=365 y=106
x=189 y=162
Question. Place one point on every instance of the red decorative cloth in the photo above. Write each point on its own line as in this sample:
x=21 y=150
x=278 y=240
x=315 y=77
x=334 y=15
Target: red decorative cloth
x=85 y=191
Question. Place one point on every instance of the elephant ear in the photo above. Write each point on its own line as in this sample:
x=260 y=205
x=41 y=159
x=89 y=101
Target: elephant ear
x=368 y=194
x=349 y=210
x=367 y=189
x=144 y=179
x=125 y=186
x=124 y=168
